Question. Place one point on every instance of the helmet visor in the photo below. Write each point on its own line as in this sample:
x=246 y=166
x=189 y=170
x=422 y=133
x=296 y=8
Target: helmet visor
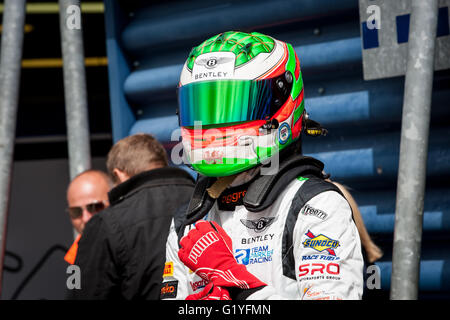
x=225 y=101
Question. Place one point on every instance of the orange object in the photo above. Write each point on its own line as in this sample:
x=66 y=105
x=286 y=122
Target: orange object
x=72 y=253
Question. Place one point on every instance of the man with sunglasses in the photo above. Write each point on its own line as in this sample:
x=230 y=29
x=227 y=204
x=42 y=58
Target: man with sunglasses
x=87 y=195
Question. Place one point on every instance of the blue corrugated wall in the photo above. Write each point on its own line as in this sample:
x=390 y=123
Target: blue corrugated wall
x=148 y=43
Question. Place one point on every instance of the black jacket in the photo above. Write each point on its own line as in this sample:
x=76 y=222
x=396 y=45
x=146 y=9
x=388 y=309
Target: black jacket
x=121 y=253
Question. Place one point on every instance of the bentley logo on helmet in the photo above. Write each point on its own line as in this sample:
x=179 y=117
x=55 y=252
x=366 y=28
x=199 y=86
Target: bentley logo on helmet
x=212 y=62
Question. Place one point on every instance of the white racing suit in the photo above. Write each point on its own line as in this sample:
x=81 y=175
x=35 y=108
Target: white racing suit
x=320 y=259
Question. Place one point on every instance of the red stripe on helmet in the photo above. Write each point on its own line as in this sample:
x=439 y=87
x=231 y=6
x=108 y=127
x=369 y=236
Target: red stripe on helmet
x=223 y=136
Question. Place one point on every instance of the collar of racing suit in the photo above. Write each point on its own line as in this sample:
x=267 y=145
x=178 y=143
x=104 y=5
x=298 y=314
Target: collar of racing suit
x=224 y=183
x=262 y=191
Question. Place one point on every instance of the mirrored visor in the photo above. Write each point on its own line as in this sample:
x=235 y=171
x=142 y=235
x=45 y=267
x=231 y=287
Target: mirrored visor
x=224 y=101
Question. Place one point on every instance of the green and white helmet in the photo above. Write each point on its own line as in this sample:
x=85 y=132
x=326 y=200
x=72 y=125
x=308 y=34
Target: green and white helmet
x=240 y=102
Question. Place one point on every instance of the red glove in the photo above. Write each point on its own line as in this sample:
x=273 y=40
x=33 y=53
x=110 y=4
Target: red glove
x=210 y=292
x=207 y=250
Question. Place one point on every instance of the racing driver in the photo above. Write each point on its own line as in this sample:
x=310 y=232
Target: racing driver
x=263 y=223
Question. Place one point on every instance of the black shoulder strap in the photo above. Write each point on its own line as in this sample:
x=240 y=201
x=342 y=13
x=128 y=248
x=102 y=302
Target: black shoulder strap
x=265 y=189
x=308 y=190
x=199 y=205
x=179 y=217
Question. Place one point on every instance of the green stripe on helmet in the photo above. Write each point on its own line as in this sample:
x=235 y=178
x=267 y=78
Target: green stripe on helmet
x=290 y=65
x=245 y=46
x=298 y=112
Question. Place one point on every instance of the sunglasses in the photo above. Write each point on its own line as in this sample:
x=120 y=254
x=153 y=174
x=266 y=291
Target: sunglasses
x=93 y=208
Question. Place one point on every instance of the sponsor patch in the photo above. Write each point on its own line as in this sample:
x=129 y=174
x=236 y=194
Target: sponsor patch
x=255 y=239
x=254 y=255
x=307 y=210
x=258 y=225
x=169 y=289
x=198 y=284
x=320 y=243
x=314 y=294
x=168 y=269
x=232 y=197
x=320 y=257
x=319 y=271
x=284 y=132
